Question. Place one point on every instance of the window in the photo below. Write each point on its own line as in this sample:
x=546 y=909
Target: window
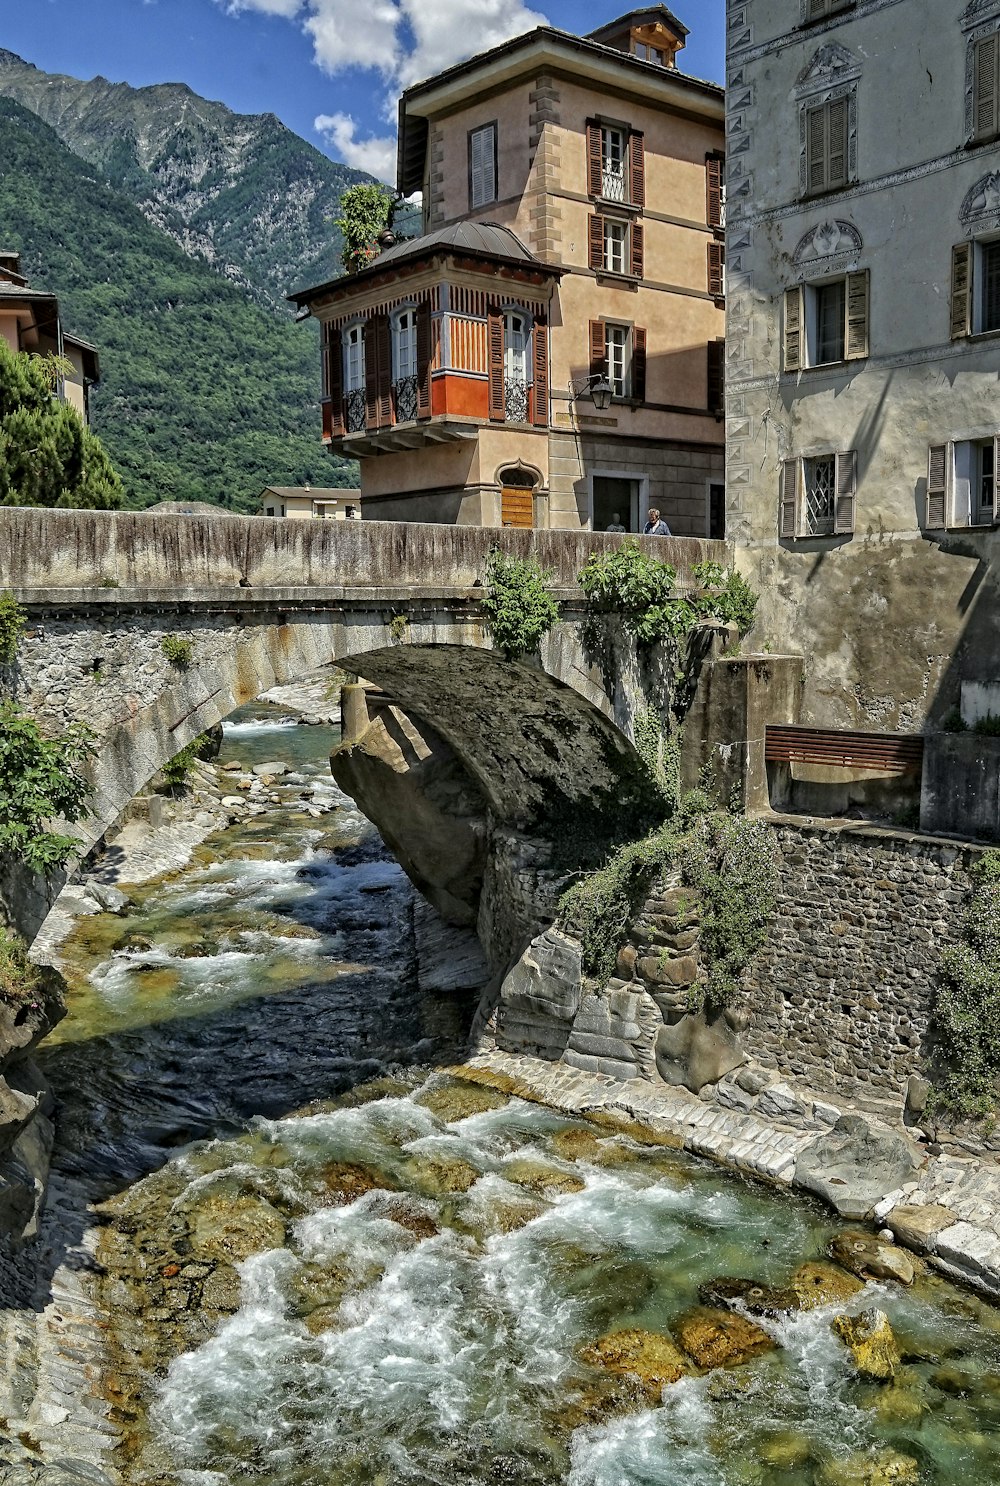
x=818 y=496
x=647 y=53
x=975 y=288
x=826 y=146
x=615 y=245
x=717 y=270
x=482 y=166
x=516 y=330
x=404 y=365
x=355 y=411
x=715 y=190
x=618 y=352
x=614 y=150
x=818 y=10
x=827 y=323
x=962 y=484
x=986 y=88
x=616 y=163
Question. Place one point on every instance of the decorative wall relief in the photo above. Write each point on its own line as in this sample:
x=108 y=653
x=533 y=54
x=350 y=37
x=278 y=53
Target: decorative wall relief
x=828 y=243
x=982 y=200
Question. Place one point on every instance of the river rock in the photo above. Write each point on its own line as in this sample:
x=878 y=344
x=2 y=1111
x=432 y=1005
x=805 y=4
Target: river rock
x=695 y=1052
x=918 y=1226
x=233 y=1228
x=653 y=1358
x=855 y=1165
x=870 y=1259
x=539 y=1177
x=271 y=771
x=456 y=1100
x=868 y=1336
x=111 y=899
x=885 y=1469
x=345 y=1181
x=759 y=1300
x=818 y=1283
x=787 y=1451
x=547 y=980
x=714 y=1338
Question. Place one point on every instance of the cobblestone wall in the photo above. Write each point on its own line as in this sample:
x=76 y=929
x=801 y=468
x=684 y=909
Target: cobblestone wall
x=841 y=995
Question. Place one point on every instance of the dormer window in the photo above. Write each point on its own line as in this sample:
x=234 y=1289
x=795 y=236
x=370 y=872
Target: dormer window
x=647 y=53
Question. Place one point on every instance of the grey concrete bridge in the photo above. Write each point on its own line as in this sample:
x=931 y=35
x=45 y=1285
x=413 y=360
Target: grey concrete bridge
x=264 y=602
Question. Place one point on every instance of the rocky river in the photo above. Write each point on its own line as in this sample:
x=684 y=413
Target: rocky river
x=291 y=1245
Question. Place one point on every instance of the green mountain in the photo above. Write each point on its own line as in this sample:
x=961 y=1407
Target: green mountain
x=240 y=191
x=206 y=395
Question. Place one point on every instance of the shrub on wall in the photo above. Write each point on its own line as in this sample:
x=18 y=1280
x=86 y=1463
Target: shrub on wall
x=20 y=980
x=518 y=607
x=965 y=1015
x=41 y=780
x=642 y=589
x=12 y=622
x=179 y=652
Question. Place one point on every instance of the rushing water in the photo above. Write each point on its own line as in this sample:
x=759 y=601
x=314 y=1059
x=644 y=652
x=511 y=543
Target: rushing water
x=318 y=1281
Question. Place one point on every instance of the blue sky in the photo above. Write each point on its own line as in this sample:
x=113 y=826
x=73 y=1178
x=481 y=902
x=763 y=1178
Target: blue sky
x=330 y=69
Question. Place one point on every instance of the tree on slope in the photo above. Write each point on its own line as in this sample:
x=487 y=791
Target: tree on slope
x=48 y=457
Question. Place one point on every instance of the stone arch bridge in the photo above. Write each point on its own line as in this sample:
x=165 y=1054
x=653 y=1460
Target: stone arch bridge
x=263 y=602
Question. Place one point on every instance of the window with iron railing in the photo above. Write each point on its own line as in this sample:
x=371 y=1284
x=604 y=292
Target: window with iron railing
x=404 y=365
x=614 y=163
x=515 y=370
x=355 y=412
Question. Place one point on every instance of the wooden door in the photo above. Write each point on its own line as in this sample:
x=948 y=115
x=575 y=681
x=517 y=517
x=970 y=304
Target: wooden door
x=517 y=507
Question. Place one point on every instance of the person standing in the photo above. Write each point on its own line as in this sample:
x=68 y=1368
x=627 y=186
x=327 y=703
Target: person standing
x=655 y=526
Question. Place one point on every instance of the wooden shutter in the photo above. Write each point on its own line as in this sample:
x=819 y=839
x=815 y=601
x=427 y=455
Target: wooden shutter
x=816 y=149
x=961 y=290
x=371 y=374
x=793 y=359
x=996 y=480
x=637 y=253
x=713 y=176
x=847 y=490
x=424 y=359
x=838 y=118
x=637 y=167
x=540 y=338
x=482 y=166
x=857 y=315
x=598 y=349
x=334 y=358
x=595 y=243
x=716 y=366
x=788 y=519
x=936 y=514
x=595 y=159
x=816 y=11
x=383 y=335
x=495 y=330
x=638 y=364
x=716 y=264
x=986 y=88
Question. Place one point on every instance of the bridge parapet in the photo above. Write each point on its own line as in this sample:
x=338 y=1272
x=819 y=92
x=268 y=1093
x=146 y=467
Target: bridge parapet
x=46 y=550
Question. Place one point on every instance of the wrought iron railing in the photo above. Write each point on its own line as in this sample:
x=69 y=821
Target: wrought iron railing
x=515 y=395
x=404 y=396
x=356 y=411
x=613 y=183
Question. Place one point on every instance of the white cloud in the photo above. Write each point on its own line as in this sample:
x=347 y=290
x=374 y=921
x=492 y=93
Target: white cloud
x=448 y=31
x=346 y=35
x=288 y=9
x=376 y=155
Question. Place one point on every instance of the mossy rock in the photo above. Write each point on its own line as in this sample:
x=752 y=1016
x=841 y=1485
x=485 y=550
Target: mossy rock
x=233 y=1228
x=903 y=1405
x=611 y=1399
x=622 y=1124
x=536 y=1176
x=323 y=1318
x=887 y=1468
x=457 y=1101
x=870 y=1258
x=785 y=1451
x=759 y=1300
x=652 y=1358
x=581 y=1145
x=869 y=1339
x=819 y=1283
x=344 y=1182
x=409 y=1216
x=435 y=1175
x=714 y=1338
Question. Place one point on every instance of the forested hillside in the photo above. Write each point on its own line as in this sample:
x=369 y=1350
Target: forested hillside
x=239 y=190
x=205 y=395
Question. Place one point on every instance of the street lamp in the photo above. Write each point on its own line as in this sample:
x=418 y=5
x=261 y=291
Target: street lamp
x=599 y=389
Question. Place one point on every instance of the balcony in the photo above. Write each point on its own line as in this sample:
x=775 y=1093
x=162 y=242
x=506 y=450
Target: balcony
x=613 y=183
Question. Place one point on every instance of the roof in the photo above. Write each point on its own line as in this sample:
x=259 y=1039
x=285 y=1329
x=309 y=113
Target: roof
x=484 y=240
x=315 y=492
x=15 y=291
x=413 y=128
x=647 y=17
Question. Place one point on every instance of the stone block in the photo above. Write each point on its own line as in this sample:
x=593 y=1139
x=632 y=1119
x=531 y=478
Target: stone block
x=918 y=1227
x=779 y=1102
x=661 y=971
x=548 y=978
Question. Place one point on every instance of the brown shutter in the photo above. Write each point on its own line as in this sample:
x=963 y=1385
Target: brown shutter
x=847 y=490
x=857 y=315
x=638 y=364
x=788 y=520
x=637 y=167
x=713 y=174
x=793 y=329
x=595 y=243
x=986 y=86
x=836 y=148
x=716 y=361
x=540 y=339
x=595 y=159
x=371 y=373
x=637 y=237
x=383 y=333
x=335 y=380
x=936 y=514
x=961 y=290
x=424 y=359
x=598 y=349
x=716 y=260
x=496 y=350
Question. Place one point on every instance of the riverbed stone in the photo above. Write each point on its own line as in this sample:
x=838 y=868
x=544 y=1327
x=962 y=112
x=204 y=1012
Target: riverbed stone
x=871 y=1259
x=648 y=1355
x=715 y=1338
x=918 y=1226
x=232 y=1228
x=695 y=1052
x=869 y=1339
x=887 y=1468
x=271 y=771
x=854 y=1165
x=758 y=1299
x=818 y=1283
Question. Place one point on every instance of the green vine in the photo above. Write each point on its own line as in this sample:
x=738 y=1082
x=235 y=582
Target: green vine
x=518 y=606
x=642 y=589
x=965 y=1014
x=40 y=781
x=366 y=213
x=12 y=622
x=660 y=753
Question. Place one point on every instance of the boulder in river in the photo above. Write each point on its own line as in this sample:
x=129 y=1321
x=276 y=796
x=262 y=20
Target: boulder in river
x=647 y=1355
x=887 y=1468
x=818 y=1283
x=855 y=1165
x=870 y=1258
x=759 y=1300
x=869 y=1339
x=714 y=1338
x=233 y=1228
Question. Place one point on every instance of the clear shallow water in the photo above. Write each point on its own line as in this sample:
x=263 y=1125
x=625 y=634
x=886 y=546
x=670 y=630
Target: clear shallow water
x=413 y=1274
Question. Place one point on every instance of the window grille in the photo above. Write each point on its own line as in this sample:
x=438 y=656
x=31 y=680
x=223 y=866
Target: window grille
x=820 y=496
x=355 y=413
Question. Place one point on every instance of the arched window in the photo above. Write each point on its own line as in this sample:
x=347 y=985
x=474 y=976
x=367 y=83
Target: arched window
x=516 y=335
x=354 y=379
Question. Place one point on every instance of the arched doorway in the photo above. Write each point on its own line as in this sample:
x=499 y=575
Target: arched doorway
x=517 y=496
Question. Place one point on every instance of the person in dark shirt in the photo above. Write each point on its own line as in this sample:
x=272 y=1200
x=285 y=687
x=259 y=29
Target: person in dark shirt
x=655 y=526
